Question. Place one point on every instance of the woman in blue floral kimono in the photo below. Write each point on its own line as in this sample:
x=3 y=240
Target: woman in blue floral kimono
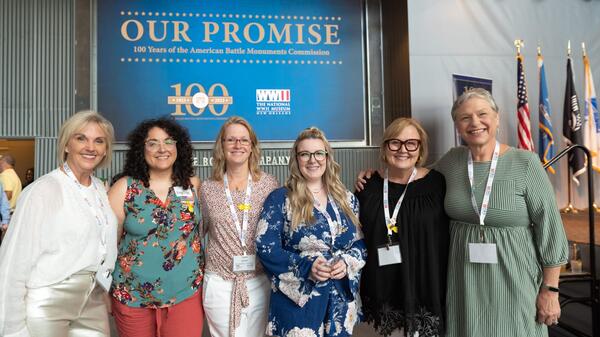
x=310 y=244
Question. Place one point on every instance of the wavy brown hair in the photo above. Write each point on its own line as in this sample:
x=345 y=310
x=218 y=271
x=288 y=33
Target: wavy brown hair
x=135 y=163
x=301 y=199
x=219 y=162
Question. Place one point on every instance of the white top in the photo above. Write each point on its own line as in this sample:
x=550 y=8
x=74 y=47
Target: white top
x=52 y=235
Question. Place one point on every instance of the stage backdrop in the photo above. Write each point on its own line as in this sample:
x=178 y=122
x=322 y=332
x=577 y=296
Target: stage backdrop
x=282 y=65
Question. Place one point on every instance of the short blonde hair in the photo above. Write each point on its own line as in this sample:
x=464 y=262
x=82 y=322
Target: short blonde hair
x=395 y=128
x=75 y=124
x=219 y=162
x=473 y=93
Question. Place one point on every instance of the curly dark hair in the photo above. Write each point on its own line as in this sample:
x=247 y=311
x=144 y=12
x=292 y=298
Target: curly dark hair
x=135 y=163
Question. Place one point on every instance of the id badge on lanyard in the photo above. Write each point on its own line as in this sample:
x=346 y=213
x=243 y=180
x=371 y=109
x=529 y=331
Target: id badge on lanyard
x=245 y=262
x=334 y=226
x=390 y=253
x=482 y=252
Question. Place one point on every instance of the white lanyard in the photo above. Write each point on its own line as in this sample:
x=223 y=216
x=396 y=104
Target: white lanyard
x=390 y=222
x=94 y=210
x=245 y=207
x=488 y=186
x=333 y=228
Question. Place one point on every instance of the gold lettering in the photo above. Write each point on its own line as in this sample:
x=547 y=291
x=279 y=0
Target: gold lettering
x=225 y=93
x=208 y=31
x=188 y=92
x=331 y=31
x=261 y=32
x=278 y=35
x=313 y=31
x=152 y=30
x=300 y=28
x=178 y=111
x=138 y=25
x=177 y=31
x=229 y=32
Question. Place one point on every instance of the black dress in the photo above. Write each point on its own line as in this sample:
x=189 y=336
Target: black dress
x=409 y=295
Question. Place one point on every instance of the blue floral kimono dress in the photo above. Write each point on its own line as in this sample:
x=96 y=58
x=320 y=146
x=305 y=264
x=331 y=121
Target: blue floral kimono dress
x=300 y=306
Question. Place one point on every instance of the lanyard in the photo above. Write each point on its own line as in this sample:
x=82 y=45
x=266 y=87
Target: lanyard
x=94 y=210
x=243 y=207
x=488 y=186
x=390 y=222
x=333 y=228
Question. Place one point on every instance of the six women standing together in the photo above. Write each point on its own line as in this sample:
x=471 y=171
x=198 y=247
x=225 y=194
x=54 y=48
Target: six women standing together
x=285 y=261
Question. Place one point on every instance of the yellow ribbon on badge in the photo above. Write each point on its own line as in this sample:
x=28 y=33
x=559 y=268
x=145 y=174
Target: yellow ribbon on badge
x=244 y=207
x=190 y=205
x=393 y=228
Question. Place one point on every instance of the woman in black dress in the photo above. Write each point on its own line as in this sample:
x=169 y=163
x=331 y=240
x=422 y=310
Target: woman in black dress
x=406 y=233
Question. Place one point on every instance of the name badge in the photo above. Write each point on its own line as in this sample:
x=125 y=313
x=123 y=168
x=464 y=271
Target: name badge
x=244 y=263
x=180 y=192
x=483 y=253
x=104 y=277
x=389 y=254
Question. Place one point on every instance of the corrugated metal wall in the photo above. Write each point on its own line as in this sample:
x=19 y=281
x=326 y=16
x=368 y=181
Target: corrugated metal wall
x=36 y=72
x=351 y=160
x=37 y=84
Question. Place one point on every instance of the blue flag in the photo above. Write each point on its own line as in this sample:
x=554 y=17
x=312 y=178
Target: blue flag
x=546 y=139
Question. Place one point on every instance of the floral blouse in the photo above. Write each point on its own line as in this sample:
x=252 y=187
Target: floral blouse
x=160 y=261
x=300 y=306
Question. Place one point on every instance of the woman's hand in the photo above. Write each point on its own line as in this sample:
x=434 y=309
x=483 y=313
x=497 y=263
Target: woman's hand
x=548 y=307
x=320 y=270
x=361 y=179
x=338 y=270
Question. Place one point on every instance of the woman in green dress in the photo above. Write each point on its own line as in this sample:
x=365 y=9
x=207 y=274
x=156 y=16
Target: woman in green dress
x=507 y=241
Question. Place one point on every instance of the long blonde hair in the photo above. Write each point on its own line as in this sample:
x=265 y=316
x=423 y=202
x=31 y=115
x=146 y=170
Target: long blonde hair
x=219 y=162
x=300 y=197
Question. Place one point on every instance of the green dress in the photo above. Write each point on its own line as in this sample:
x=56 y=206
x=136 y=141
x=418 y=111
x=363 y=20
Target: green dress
x=524 y=222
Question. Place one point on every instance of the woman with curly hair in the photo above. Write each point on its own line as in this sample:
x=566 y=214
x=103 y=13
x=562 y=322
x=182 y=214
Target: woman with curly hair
x=236 y=290
x=159 y=269
x=310 y=244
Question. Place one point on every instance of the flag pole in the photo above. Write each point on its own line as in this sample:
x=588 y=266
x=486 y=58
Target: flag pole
x=519 y=43
x=594 y=205
x=570 y=208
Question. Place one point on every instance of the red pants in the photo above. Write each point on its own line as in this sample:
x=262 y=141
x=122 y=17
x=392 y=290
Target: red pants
x=183 y=319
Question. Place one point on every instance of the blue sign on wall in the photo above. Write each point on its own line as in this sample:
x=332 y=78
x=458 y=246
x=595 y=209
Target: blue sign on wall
x=282 y=65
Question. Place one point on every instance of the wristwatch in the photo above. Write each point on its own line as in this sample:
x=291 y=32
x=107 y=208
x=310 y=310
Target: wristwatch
x=550 y=288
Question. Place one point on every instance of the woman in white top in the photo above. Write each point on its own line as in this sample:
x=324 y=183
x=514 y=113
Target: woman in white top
x=59 y=250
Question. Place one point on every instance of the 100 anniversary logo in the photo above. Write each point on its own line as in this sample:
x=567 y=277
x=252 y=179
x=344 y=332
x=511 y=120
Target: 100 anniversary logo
x=196 y=99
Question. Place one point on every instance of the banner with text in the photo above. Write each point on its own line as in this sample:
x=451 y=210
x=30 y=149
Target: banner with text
x=282 y=65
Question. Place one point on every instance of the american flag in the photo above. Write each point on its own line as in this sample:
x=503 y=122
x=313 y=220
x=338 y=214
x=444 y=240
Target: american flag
x=524 y=126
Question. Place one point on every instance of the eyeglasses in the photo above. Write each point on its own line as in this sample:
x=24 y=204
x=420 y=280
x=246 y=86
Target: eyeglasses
x=305 y=155
x=154 y=144
x=411 y=145
x=232 y=141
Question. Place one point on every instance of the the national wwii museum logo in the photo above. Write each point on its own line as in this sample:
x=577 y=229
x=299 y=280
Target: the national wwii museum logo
x=273 y=102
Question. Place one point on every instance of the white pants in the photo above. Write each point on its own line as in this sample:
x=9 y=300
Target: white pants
x=74 y=307
x=216 y=297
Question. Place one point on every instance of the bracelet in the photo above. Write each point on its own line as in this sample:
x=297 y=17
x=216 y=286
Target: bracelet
x=550 y=288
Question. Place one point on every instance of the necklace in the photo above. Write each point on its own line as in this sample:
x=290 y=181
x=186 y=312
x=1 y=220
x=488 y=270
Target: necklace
x=317 y=191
